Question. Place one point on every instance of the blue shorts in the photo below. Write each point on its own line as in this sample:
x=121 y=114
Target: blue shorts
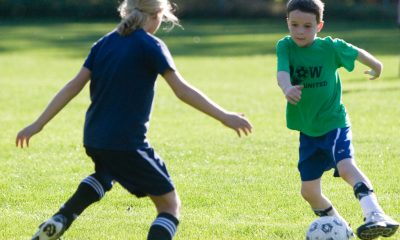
x=141 y=172
x=320 y=154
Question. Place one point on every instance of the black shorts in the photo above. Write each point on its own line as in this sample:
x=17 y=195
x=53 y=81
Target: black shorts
x=141 y=172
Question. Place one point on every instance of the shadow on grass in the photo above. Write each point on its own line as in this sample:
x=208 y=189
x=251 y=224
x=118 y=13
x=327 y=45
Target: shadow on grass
x=358 y=90
x=392 y=78
x=199 y=38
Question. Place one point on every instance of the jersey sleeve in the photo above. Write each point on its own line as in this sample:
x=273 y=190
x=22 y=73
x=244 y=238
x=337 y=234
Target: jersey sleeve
x=282 y=53
x=160 y=57
x=346 y=54
x=92 y=54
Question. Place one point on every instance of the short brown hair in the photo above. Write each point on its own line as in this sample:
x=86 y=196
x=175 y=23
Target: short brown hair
x=309 y=6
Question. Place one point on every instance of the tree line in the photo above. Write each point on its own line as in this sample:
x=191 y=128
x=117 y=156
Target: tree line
x=89 y=9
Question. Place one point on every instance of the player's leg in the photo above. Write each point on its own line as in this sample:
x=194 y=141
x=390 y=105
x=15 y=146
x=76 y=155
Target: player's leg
x=377 y=223
x=143 y=173
x=320 y=204
x=168 y=209
x=313 y=162
x=362 y=186
x=90 y=190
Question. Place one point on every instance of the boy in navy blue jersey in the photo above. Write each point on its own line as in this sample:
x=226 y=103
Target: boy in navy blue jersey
x=122 y=68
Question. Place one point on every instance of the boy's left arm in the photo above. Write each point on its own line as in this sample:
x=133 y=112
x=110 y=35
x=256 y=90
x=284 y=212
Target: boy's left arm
x=369 y=60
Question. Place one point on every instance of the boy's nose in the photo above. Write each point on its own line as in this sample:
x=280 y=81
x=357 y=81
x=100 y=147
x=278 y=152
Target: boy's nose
x=301 y=30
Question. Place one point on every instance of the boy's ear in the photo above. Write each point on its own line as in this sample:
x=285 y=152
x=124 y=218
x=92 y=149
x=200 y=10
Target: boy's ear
x=320 y=26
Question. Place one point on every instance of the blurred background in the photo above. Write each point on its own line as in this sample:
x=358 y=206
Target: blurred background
x=227 y=49
x=376 y=10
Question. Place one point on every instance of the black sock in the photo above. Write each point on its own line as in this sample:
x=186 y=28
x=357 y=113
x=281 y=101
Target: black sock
x=323 y=212
x=361 y=190
x=89 y=191
x=163 y=227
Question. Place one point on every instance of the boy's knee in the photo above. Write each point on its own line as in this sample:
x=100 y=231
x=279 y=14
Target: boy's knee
x=346 y=168
x=344 y=173
x=310 y=194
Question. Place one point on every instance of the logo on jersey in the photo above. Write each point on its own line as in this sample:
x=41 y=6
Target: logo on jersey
x=307 y=76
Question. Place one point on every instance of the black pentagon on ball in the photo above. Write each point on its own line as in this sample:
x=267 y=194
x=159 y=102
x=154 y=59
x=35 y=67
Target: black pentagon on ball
x=313 y=227
x=339 y=223
x=326 y=227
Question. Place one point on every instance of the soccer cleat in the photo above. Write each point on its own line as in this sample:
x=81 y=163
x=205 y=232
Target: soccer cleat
x=376 y=225
x=52 y=229
x=391 y=226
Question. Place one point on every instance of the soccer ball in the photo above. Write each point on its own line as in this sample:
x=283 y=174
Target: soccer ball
x=329 y=228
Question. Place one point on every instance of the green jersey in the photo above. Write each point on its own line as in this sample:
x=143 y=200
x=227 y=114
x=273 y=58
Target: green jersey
x=320 y=109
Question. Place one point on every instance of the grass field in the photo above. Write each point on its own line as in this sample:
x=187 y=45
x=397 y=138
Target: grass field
x=231 y=188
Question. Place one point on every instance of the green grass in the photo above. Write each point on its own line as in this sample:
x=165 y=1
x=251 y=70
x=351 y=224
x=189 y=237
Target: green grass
x=231 y=188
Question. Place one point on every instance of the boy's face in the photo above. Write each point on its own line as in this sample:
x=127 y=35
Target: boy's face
x=303 y=27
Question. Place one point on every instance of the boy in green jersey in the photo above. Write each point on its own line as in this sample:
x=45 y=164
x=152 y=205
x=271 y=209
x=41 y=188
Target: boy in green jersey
x=307 y=75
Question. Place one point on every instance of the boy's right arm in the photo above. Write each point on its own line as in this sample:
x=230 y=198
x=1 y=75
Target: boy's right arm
x=369 y=60
x=68 y=92
x=195 y=98
x=292 y=93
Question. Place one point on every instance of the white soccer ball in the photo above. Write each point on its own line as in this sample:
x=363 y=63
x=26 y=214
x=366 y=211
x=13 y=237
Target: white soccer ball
x=329 y=228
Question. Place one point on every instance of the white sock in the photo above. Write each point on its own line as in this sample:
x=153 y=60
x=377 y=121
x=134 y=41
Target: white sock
x=370 y=204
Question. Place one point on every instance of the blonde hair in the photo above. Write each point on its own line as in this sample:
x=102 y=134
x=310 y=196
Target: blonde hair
x=134 y=14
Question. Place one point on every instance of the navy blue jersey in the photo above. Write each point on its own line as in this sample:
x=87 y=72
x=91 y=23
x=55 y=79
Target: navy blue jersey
x=123 y=73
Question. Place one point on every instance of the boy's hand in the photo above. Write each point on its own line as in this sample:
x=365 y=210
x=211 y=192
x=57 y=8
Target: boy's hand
x=25 y=134
x=293 y=94
x=374 y=75
x=237 y=122
x=370 y=61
